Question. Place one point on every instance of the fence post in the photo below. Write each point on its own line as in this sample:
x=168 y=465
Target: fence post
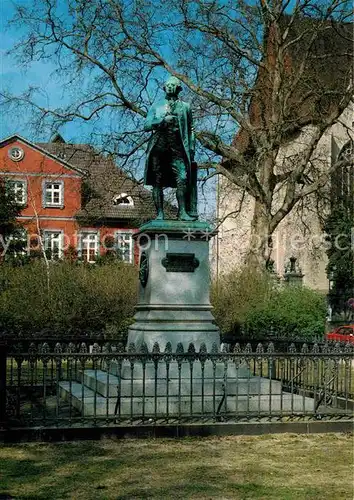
x=3 y=352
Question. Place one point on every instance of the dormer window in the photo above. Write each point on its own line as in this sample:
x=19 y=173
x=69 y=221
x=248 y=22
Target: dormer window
x=124 y=200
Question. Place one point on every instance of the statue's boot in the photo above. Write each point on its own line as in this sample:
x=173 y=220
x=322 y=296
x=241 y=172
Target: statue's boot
x=157 y=195
x=181 y=195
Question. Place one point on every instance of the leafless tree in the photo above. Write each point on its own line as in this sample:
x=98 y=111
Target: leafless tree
x=257 y=74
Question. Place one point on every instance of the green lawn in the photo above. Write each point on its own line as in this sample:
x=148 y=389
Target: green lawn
x=286 y=466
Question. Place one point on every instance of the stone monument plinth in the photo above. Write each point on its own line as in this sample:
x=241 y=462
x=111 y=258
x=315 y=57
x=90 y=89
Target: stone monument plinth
x=174 y=281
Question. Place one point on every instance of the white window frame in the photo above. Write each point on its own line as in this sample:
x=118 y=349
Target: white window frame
x=60 y=190
x=118 y=239
x=12 y=183
x=82 y=236
x=50 y=232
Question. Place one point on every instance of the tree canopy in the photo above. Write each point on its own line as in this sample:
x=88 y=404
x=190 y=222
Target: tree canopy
x=259 y=74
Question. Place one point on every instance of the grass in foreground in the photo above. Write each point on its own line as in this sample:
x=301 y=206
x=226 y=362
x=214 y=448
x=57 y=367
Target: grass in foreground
x=284 y=467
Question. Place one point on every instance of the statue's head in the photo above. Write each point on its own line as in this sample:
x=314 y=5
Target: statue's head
x=172 y=86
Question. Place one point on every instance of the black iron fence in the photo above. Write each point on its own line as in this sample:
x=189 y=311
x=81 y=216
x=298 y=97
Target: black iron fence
x=281 y=344
x=72 y=385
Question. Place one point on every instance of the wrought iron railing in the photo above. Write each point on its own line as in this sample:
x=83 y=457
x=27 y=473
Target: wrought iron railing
x=106 y=385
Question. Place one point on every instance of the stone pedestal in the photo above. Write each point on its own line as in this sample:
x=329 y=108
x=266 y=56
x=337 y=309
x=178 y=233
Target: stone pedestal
x=174 y=307
x=174 y=304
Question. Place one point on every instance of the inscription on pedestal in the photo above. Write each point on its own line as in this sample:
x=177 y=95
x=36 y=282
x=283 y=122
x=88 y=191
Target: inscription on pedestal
x=180 y=262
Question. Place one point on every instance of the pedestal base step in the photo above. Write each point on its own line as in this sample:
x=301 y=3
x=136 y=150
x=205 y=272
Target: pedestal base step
x=90 y=402
x=136 y=371
x=106 y=384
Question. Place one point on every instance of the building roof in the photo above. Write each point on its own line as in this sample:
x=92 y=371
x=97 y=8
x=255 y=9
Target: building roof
x=37 y=147
x=105 y=182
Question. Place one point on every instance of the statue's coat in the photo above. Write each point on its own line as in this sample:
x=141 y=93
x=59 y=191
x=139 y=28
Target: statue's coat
x=154 y=118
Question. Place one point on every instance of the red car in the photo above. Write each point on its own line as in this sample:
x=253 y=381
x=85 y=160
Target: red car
x=342 y=334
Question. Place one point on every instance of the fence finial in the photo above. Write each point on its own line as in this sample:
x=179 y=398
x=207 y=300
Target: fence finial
x=83 y=348
x=214 y=348
x=179 y=348
x=156 y=348
x=143 y=348
x=203 y=348
x=57 y=348
x=131 y=348
x=168 y=348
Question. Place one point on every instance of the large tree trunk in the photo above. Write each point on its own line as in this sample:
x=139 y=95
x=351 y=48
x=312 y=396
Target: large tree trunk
x=260 y=246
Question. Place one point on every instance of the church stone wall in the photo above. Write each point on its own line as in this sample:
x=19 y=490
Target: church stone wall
x=301 y=232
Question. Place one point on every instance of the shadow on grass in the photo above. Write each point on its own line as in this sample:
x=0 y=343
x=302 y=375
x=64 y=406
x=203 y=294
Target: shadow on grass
x=160 y=469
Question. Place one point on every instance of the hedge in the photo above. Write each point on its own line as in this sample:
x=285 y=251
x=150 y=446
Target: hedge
x=250 y=303
x=78 y=299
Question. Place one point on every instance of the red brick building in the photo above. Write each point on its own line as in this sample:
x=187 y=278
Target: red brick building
x=73 y=197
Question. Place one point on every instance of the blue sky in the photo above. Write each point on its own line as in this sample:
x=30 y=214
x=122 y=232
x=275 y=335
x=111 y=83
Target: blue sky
x=13 y=76
x=17 y=78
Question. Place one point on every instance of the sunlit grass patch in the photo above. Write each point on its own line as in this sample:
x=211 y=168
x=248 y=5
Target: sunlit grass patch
x=283 y=466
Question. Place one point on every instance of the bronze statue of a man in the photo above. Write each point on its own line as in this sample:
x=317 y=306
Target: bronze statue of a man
x=170 y=153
